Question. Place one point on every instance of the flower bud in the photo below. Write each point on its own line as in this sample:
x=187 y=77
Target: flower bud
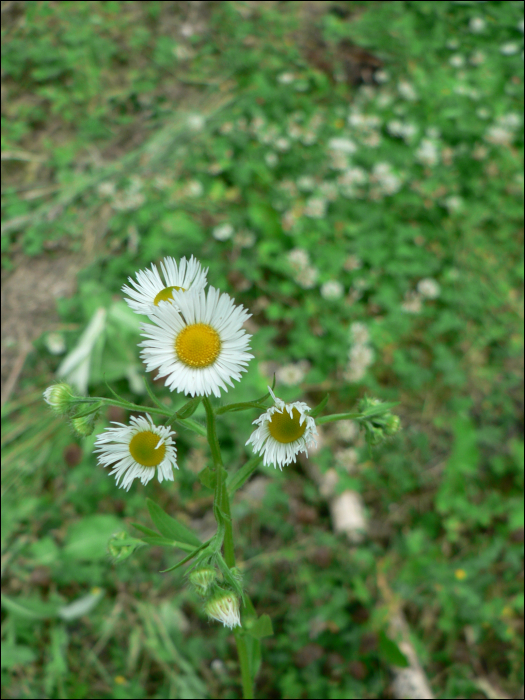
x=61 y=398
x=84 y=425
x=203 y=579
x=223 y=606
x=392 y=424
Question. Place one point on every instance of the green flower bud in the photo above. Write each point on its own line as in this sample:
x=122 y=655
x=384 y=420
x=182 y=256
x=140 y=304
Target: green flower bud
x=203 y=579
x=118 y=551
x=61 y=398
x=393 y=424
x=223 y=606
x=84 y=425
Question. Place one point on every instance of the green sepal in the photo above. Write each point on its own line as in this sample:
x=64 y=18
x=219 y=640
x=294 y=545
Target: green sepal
x=169 y=527
x=320 y=406
x=208 y=477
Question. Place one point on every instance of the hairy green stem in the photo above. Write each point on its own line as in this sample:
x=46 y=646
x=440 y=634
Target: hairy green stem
x=223 y=503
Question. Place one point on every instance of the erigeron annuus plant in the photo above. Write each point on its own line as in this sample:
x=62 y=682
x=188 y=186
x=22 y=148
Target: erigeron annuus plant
x=196 y=341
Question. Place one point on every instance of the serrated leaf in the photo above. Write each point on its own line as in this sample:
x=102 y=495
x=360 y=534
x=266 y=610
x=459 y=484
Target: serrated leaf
x=169 y=527
x=391 y=653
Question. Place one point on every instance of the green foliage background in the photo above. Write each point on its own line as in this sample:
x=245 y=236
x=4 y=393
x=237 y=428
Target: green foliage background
x=144 y=139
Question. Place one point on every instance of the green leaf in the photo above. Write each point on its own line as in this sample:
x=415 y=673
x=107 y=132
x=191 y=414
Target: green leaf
x=390 y=652
x=261 y=628
x=189 y=408
x=88 y=538
x=16 y=655
x=208 y=478
x=183 y=561
x=30 y=609
x=169 y=527
x=235 y=481
x=320 y=406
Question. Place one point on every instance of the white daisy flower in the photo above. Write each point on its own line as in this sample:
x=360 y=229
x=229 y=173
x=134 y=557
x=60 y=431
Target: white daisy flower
x=198 y=343
x=135 y=451
x=283 y=431
x=149 y=289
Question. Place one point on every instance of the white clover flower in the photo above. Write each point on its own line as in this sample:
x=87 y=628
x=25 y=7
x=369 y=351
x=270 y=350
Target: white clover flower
x=329 y=190
x=509 y=49
x=477 y=58
x=343 y=145
x=499 y=136
x=149 y=289
x=457 y=61
x=223 y=232
x=412 y=303
x=381 y=76
x=389 y=183
x=453 y=203
x=224 y=607
x=429 y=288
x=359 y=333
x=136 y=450
x=452 y=44
x=306 y=183
x=427 y=153
x=283 y=431
x=199 y=344
x=361 y=355
x=245 y=239
x=285 y=78
x=298 y=258
x=292 y=374
x=482 y=113
x=332 y=290
x=352 y=262
x=282 y=144
x=196 y=122
x=271 y=159
x=315 y=208
x=307 y=277
x=194 y=188
x=477 y=25
x=512 y=120
x=520 y=25
x=406 y=91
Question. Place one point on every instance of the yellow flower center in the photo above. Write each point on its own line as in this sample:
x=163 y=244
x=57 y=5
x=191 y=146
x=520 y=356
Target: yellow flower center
x=166 y=294
x=143 y=449
x=285 y=429
x=198 y=345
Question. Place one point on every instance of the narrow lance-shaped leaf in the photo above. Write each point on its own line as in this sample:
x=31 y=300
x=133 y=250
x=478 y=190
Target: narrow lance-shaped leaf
x=169 y=527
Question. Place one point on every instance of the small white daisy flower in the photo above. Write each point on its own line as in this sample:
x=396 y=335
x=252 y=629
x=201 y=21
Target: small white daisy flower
x=198 y=343
x=136 y=450
x=149 y=289
x=283 y=431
